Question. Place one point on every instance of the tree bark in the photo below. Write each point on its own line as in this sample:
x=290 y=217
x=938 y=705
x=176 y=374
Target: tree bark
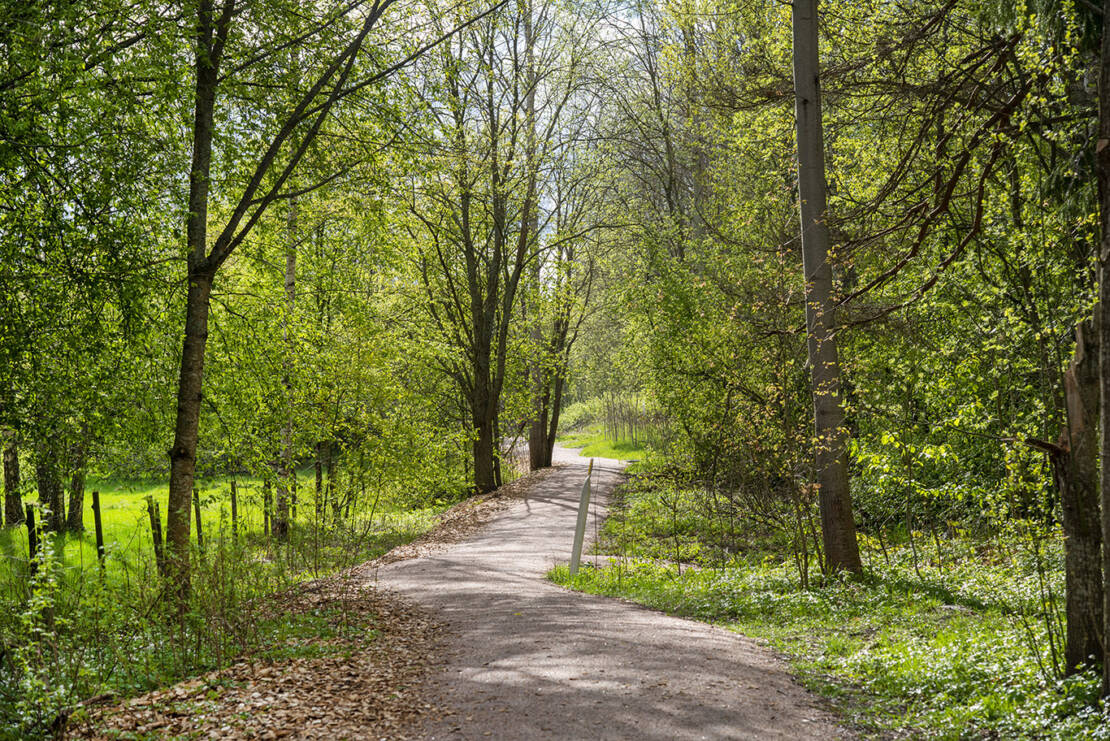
x=319 y=470
x=332 y=494
x=184 y=450
x=1075 y=466
x=50 y=485
x=486 y=459
x=556 y=411
x=286 y=481
x=541 y=438
x=538 y=456
x=1102 y=174
x=830 y=434
x=75 y=519
x=13 y=497
x=210 y=36
x=537 y=431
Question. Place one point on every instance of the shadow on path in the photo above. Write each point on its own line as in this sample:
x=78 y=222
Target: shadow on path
x=526 y=659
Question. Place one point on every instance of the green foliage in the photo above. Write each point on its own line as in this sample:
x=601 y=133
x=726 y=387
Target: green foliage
x=76 y=630
x=581 y=415
x=947 y=635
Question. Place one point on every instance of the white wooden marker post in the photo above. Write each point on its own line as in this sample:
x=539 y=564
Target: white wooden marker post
x=580 y=528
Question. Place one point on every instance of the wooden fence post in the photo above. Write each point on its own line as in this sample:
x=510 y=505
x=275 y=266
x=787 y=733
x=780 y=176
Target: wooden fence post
x=156 y=533
x=266 y=501
x=196 y=510
x=99 y=528
x=234 y=512
x=32 y=541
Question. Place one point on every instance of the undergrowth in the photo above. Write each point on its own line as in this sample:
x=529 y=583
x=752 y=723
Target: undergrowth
x=74 y=630
x=949 y=637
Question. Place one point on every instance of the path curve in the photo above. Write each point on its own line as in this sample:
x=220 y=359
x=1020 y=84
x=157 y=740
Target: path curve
x=526 y=659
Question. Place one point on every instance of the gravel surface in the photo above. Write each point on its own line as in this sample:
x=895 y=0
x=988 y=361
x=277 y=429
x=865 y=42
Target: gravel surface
x=524 y=659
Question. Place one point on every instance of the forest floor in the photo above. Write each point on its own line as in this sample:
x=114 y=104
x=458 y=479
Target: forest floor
x=460 y=636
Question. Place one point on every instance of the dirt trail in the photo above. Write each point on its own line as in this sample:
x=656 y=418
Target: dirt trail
x=526 y=659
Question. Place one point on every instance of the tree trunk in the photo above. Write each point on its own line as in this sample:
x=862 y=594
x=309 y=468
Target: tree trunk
x=556 y=410
x=537 y=431
x=1102 y=172
x=332 y=493
x=538 y=455
x=184 y=450
x=50 y=486
x=1075 y=464
x=319 y=470
x=206 y=53
x=75 y=520
x=831 y=458
x=541 y=445
x=485 y=460
x=13 y=498
x=286 y=483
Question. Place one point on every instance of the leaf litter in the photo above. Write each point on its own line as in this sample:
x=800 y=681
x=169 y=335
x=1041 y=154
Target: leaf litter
x=367 y=683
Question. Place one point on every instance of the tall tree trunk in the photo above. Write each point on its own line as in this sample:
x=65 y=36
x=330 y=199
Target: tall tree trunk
x=1102 y=172
x=201 y=271
x=13 y=498
x=552 y=397
x=286 y=482
x=332 y=494
x=186 y=431
x=50 y=484
x=319 y=470
x=537 y=428
x=1075 y=464
x=830 y=435
x=483 y=402
x=267 y=505
x=537 y=431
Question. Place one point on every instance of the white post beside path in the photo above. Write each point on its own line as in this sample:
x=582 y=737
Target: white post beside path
x=580 y=528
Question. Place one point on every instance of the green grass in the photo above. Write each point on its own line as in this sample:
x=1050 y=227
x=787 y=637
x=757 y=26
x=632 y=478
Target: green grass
x=77 y=631
x=953 y=643
x=595 y=444
x=127 y=532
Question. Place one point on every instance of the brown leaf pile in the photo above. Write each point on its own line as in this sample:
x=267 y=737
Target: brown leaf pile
x=364 y=688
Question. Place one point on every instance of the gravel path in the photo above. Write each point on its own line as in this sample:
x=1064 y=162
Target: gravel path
x=526 y=659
